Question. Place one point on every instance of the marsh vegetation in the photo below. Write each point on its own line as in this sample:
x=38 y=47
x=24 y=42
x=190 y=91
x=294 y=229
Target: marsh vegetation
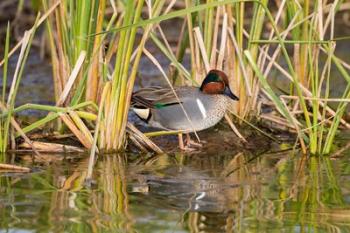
x=286 y=60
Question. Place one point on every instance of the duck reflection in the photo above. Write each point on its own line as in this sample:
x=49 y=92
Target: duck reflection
x=245 y=193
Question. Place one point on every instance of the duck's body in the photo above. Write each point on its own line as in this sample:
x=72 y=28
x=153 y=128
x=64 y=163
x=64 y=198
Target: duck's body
x=164 y=110
x=189 y=109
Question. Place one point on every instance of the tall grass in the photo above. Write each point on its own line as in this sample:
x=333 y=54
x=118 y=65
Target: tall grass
x=310 y=82
x=4 y=123
x=213 y=44
x=68 y=32
x=310 y=115
x=119 y=90
x=8 y=125
x=71 y=34
x=246 y=39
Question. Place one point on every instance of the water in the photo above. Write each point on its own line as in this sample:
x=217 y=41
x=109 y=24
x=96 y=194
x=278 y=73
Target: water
x=222 y=192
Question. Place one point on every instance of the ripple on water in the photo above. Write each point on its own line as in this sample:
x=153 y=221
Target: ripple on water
x=275 y=192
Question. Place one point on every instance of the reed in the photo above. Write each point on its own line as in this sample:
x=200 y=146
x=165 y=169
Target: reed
x=8 y=125
x=70 y=34
x=4 y=124
x=308 y=80
x=213 y=44
x=115 y=106
x=218 y=35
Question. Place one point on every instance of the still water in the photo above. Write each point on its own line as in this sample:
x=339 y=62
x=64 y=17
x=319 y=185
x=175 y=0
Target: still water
x=222 y=192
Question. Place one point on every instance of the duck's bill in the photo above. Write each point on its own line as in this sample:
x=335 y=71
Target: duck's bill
x=229 y=93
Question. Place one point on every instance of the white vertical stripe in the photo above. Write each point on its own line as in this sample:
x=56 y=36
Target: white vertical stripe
x=201 y=108
x=200 y=196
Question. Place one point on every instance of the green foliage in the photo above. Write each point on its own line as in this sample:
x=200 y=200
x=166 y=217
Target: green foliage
x=8 y=99
x=217 y=34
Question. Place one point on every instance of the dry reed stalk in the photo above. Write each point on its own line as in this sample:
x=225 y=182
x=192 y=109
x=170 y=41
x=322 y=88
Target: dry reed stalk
x=81 y=125
x=241 y=63
x=170 y=6
x=93 y=76
x=330 y=19
x=138 y=144
x=305 y=90
x=272 y=32
x=213 y=58
x=277 y=120
x=40 y=21
x=17 y=127
x=13 y=168
x=220 y=59
x=325 y=72
x=316 y=98
x=231 y=63
x=161 y=33
x=104 y=97
x=82 y=132
x=180 y=51
x=49 y=147
x=277 y=51
x=256 y=87
x=198 y=72
x=320 y=19
x=72 y=78
x=85 y=140
x=21 y=56
x=140 y=137
x=234 y=128
x=191 y=38
x=203 y=52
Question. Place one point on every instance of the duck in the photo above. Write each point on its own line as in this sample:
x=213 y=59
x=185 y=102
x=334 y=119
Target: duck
x=185 y=109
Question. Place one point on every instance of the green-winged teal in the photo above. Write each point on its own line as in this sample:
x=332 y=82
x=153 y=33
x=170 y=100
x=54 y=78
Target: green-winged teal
x=204 y=107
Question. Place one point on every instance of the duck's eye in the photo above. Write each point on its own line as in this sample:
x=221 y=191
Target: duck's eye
x=214 y=88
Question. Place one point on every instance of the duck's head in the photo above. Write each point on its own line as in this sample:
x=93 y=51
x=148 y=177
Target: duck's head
x=216 y=82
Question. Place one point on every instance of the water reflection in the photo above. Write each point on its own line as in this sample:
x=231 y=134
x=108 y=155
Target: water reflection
x=276 y=192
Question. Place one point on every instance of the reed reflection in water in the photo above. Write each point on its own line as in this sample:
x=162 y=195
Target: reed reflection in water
x=242 y=192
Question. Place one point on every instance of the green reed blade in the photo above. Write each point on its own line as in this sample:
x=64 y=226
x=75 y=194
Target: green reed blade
x=6 y=59
x=340 y=110
x=271 y=93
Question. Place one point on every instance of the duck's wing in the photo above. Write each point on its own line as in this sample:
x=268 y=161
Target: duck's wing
x=154 y=97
